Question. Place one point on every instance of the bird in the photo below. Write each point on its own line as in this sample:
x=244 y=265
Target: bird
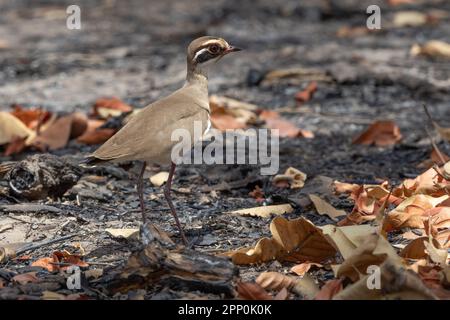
x=146 y=137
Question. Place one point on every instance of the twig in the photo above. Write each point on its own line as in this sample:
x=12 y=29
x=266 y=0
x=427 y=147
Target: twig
x=43 y=243
x=435 y=147
x=434 y=123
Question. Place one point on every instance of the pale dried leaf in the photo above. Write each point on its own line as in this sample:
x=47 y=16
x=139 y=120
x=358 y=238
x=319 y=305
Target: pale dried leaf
x=159 y=179
x=265 y=211
x=324 y=208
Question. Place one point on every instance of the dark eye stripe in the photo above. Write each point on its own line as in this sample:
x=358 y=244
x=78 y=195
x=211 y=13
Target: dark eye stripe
x=204 y=56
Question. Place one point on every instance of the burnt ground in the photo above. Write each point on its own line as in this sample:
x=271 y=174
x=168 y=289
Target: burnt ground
x=135 y=50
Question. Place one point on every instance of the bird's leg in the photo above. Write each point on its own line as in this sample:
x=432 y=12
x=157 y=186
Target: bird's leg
x=169 y=201
x=140 y=190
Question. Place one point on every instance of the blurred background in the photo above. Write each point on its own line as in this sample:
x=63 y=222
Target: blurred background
x=135 y=50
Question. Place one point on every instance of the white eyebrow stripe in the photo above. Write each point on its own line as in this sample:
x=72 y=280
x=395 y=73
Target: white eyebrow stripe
x=199 y=53
x=211 y=41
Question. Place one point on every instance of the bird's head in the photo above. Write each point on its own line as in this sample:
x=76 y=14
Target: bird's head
x=206 y=50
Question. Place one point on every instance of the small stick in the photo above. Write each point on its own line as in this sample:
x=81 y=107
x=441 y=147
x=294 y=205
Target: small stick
x=43 y=243
x=434 y=123
x=435 y=147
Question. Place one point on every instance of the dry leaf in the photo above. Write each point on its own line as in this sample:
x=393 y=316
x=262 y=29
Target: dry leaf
x=265 y=211
x=433 y=49
x=284 y=127
x=31 y=117
x=17 y=145
x=351 y=32
x=110 y=107
x=295 y=240
x=25 y=278
x=79 y=124
x=400 y=2
x=12 y=128
x=343 y=187
x=229 y=103
x=397 y=283
x=252 y=291
x=49 y=263
x=54 y=262
x=258 y=194
x=412 y=212
x=55 y=136
x=436 y=255
x=227 y=113
x=275 y=281
x=409 y=19
x=415 y=249
x=94 y=135
x=159 y=179
x=302 y=268
x=292 y=177
x=307 y=93
x=380 y=133
x=126 y=233
x=373 y=251
x=347 y=239
x=324 y=207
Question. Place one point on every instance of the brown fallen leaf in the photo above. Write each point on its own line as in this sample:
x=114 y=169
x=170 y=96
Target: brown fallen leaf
x=275 y=281
x=110 y=107
x=17 y=145
x=79 y=124
x=380 y=133
x=252 y=291
x=282 y=127
x=31 y=117
x=25 y=278
x=265 y=211
x=350 y=32
x=49 y=263
x=257 y=194
x=347 y=239
x=397 y=284
x=53 y=263
x=12 y=128
x=227 y=113
x=372 y=252
x=329 y=290
x=432 y=49
x=93 y=133
x=292 y=177
x=412 y=212
x=293 y=240
x=324 y=208
x=306 y=94
x=302 y=268
x=55 y=136
x=416 y=249
x=343 y=187
x=400 y=2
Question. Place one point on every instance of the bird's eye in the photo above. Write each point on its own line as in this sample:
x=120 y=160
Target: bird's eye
x=214 y=48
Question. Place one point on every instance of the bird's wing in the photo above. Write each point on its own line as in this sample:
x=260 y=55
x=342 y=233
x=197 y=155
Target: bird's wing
x=151 y=127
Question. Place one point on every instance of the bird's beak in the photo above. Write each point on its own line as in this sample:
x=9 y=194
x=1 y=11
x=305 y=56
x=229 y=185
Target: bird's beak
x=231 y=49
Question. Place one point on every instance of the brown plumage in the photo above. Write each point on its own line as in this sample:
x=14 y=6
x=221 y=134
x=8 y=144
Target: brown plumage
x=147 y=136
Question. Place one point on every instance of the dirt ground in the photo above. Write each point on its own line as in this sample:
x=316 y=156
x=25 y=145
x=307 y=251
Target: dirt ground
x=135 y=50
